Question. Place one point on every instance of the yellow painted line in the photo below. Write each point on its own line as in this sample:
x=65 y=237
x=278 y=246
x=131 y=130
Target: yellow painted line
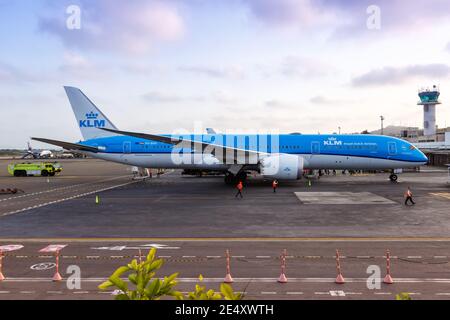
x=442 y=194
x=226 y=239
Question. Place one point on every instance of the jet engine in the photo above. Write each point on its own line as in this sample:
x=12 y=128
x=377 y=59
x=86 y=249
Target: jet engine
x=282 y=166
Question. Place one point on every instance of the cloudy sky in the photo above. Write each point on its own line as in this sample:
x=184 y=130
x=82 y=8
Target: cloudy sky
x=236 y=65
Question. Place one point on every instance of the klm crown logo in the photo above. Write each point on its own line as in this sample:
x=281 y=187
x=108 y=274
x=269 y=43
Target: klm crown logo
x=91 y=115
x=92 y=121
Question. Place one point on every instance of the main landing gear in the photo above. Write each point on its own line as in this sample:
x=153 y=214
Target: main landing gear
x=234 y=179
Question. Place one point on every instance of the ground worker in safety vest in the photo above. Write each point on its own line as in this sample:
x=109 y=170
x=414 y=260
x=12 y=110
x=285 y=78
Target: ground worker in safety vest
x=408 y=196
x=239 y=187
x=275 y=185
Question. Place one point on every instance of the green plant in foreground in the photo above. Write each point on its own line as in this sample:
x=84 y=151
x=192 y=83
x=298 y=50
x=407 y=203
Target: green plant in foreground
x=403 y=296
x=146 y=286
x=142 y=276
x=226 y=292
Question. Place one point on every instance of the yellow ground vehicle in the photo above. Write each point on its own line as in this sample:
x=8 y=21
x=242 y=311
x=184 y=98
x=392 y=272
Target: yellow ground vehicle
x=34 y=169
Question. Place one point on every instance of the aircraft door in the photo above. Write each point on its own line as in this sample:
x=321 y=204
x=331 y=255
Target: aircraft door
x=392 y=148
x=315 y=147
x=127 y=147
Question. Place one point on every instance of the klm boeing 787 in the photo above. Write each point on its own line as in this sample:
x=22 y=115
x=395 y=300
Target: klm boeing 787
x=275 y=156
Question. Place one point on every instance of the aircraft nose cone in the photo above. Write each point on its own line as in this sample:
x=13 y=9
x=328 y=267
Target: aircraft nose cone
x=423 y=157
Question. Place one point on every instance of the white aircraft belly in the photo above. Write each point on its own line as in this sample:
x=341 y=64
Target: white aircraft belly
x=159 y=160
x=321 y=161
x=312 y=161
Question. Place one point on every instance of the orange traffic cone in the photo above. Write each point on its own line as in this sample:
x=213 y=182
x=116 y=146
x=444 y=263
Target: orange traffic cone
x=228 y=277
x=340 y=278
x=388 y=279
x=282 y=278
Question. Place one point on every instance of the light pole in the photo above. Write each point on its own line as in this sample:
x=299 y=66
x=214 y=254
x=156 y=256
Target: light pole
x=381 y=118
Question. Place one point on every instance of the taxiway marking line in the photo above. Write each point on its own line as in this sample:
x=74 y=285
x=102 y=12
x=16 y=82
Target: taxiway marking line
x=231 y=239
x=382 y=293
x=445 y=195
x=294 y=293
x=246 y=280
x=268 y=292
x=62 y=188
x=65 y=199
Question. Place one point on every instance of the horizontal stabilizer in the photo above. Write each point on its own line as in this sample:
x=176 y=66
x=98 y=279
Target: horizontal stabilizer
x=67 y=145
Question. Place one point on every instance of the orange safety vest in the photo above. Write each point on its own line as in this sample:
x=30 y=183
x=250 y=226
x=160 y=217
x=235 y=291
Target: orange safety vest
x=239 y=186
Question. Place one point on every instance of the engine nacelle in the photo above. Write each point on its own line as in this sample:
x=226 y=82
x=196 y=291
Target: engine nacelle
x=282 y=166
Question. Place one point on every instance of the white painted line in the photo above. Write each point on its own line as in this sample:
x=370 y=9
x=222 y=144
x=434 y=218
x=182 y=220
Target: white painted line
x=294 y=293
x=69 y=257
x=27 y=292
x=363 y=257
x=354 y=293
x=414 y=257
x=443 y=294
x=268 y=292
x=238 y=256
x=4 y=291
x=213 y=256
x=313 y=257
x=80 y=292
x=256 y=280
x=262 y=257
x=337 y=293
x=414 y=293
x=164 y=256
x=65 y=199
x=116 y=257
x=92 y=257
x=45 y=257
x=54 y=292
x=440 y=257
x=321 y=293
x=21 y=257
x=188 y=256
x=383 y=293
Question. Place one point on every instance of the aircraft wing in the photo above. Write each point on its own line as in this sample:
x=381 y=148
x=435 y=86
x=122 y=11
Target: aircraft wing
x=225 y=154
x=68 y=145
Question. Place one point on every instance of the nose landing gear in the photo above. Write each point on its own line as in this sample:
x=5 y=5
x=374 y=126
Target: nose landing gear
x=393 y=177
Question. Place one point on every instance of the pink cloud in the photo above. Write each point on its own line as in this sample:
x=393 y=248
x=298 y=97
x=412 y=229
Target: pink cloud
x=133 y=26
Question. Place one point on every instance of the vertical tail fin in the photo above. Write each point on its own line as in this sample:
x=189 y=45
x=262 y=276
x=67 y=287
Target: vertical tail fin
x=89 y=117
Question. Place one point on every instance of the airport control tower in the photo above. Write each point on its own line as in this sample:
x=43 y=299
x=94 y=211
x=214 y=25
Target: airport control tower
x=429 y=100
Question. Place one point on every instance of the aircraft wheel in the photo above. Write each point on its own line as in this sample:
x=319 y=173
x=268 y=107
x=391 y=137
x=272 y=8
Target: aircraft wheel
x=44 y=173
x=393 y=177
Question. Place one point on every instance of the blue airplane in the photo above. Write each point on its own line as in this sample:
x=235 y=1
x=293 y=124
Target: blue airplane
x=274 y=156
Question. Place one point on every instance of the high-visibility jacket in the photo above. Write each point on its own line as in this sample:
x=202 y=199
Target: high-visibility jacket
x=239 y=186
x=274 y=184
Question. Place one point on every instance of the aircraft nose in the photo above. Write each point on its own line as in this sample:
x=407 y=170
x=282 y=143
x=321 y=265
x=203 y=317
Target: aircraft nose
x=422 y=156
